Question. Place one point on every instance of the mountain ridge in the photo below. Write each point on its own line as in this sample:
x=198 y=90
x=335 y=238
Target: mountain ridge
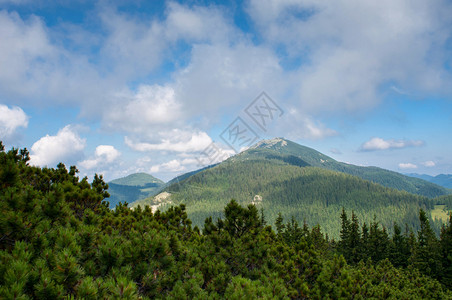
x=282 y=176
x=444 y=180
x=289 y=150
x=132 y=187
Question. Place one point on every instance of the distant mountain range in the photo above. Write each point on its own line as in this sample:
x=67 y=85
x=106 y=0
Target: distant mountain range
x=281 y=176
x=132 y=188
x=444 y=180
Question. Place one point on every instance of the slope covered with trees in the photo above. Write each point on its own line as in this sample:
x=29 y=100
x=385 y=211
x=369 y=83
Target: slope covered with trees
x=59 y=240
x=444 y=180
x=132 y=188
x=308 y=194
x=293 y=153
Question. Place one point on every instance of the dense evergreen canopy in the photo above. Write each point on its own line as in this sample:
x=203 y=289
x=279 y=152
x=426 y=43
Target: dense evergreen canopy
x=59 y=239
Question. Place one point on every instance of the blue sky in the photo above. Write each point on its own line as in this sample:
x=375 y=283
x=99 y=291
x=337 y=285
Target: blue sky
x=117 y=87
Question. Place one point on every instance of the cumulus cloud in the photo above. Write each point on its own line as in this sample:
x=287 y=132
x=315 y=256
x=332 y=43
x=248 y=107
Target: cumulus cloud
x=132 y=46
x=33 y=67
x=104 y=154
x=197 y=24
x=213 y=154
x=10 y=120
x=429 y=163
x=222 y=78
x=405 y=166
x=307 y=127
x=67 y=145
x=350 y=49
x=171 y=166
x=176 y=141
x=150 y=107
x=377 y=143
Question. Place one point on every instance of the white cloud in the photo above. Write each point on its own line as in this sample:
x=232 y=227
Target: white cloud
x=104 y=154
x=213 y=154
x=429 y=163
x=23 y=45
x=175 y=140
x=10 y=120
x=171 y=166
x=221 y=78
x=315 y=130
x=34 y=68
x=65 y=146
x=150 y=107
x=191 y=161
x=349 y=50
x=197 y=24
x=307 y=127
x=377 y=143
x=132 y=46
x=407 y=166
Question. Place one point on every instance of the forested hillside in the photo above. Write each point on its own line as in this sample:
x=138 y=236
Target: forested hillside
x=293 y=153
x=132 y=188
x=308 y=194
x=444 y=180
x=59 y=240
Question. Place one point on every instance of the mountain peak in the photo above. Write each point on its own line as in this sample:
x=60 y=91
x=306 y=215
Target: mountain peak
x=270 y=143
x=137 y=179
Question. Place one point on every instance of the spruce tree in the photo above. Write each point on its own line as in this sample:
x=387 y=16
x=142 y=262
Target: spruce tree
x=427 y=256
x=446 y=253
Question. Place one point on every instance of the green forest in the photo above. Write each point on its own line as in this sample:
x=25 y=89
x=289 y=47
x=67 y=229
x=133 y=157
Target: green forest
x=59 y=240
x=309 y=194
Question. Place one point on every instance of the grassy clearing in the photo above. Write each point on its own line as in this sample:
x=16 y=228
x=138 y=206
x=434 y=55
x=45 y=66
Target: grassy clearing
x=440 y=213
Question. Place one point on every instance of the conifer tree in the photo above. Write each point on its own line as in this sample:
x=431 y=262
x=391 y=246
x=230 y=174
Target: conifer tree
x=399 y=251
x=427 y=257
x=344 y=234
x=446 y=253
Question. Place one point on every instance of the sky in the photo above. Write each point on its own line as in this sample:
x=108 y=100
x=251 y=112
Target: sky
x=166 y=87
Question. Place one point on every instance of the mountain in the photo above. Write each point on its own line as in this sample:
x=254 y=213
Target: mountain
x=444 y=180
x=280 y=176
x=296 y=154
x=132 y=187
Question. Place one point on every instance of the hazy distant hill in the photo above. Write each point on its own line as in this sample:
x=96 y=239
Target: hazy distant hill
x=281 y=176
x=132 y=187
x=444 y=180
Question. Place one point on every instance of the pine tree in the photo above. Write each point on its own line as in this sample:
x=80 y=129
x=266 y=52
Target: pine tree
x=344 y=234
x=378 y=244
x=279 y=224
x=399 y=251
x=354 y=241
x=446 y=253
x=427 y=256
x=365 y=241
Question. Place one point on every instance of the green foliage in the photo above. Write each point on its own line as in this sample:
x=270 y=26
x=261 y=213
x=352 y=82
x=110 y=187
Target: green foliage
x=59 y=240
x=308 y=194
